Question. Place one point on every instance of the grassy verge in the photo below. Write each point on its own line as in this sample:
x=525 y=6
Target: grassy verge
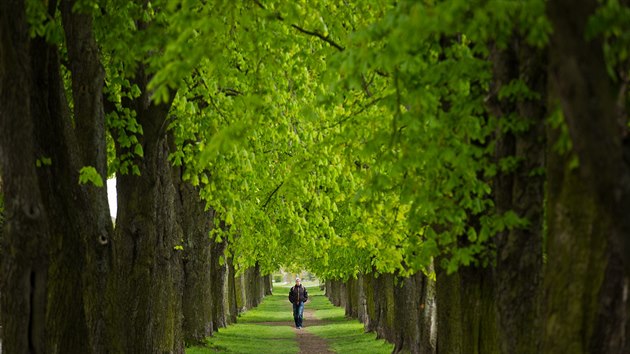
x=342 y=334
x=247 y=336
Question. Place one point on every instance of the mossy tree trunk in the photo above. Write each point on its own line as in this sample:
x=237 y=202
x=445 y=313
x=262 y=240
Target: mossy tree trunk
x=24 y=269
x=197 y=295
x=332 y=291
x=362 y=307
x=414 y=309
x=268 y=284
x=407 y=312
x=466 y=313
x=351 y=298
x=519 y=266
x=370 y=303
x=51 y=219
x=383 y=322
x=219 y=280
x=241 y=293
x=230 y=304
x=148 y=269
x=588 y=227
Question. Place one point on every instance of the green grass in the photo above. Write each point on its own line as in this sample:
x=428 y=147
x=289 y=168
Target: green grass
x=348 y=337
x=343 y=335
x=249 y=336
x=274 y=308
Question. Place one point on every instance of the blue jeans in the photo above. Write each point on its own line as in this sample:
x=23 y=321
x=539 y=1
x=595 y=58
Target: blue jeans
x=298 y=311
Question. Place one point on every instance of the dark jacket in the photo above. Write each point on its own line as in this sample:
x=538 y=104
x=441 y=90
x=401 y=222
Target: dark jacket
x=298 y=294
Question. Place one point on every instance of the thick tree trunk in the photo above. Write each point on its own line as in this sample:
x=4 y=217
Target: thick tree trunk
x=415 y=311
x=385 y=315
x=219 y=280
x=407 y=312
x=466 y=312
x=371 y=306
x=82 y=227
x=351 y=298
x=149 y=272
x=519 y=267
x=197 y=296
x=230 y=304
x=241 y=293
x=585 y=281
x=268 y=279
x=342 y=291
x=25 y=268
x=362 y=310
x=149 y=278
x=77 y=216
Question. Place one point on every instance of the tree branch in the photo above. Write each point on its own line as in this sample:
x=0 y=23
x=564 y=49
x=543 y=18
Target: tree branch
x=320 y=36
x=272 y=194
x=305 y=31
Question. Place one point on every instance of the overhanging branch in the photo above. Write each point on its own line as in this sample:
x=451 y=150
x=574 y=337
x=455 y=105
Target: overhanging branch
x=321 y=36
x=272 y=194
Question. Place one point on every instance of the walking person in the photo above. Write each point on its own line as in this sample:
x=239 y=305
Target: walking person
x=298 y=296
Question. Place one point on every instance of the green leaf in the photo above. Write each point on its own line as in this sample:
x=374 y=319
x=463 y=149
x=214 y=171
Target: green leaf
x=43 y=161
x=137 y=149
x=89 y=174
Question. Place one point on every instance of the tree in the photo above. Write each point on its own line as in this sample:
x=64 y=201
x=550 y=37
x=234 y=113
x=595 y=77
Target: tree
x=587 y=187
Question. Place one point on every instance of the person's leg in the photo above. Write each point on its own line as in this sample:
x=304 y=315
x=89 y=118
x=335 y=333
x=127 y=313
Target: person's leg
x=296 y=314
x=301 y=314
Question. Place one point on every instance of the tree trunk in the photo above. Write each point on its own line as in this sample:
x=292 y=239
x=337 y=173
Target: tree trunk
x=75 y=217
x=268 y=282
x=370 y=302
x=466 y=312
x=362 y=311
x=82 y=222
x=331 y=292
x=587 y=205
x=25 y=268
x=231 y=307
x=241 y=293
x=519 y=267
x=414 y=315
x=197 y=295
x=149 y=276
x=407 y=312
x=351 y=308
x=219 y=279
x=384 y=307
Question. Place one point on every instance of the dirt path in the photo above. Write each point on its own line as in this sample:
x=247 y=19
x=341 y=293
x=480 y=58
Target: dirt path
x=310 y=343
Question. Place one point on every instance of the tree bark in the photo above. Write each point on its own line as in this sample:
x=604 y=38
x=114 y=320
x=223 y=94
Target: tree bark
x=414 y=309
x=588 y=230
x=219 y=279
x=268 y=280
x=197 y=294
x=351 y=296
x=371 y=306
x=519 y=267
x=241 y=293
x=466 y=313
x=362 y=311
x=385 y=314
x=25 y=267
x=230 y=305
x=149 y=278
